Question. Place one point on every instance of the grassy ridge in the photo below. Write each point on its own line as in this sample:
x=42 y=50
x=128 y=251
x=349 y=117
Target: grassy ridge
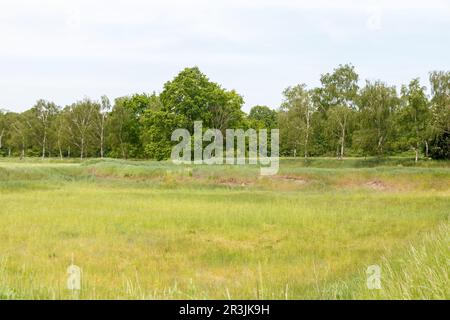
x=155 y=230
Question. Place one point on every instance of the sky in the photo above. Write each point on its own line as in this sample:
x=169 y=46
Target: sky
x=63 y=51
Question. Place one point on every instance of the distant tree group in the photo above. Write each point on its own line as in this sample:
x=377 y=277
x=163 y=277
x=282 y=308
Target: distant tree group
x=339 y=119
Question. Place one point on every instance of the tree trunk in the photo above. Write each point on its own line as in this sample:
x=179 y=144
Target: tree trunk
x=102 y=137
x=380 y=145
x=342 y=142
x=417 y=154
x=123 y=150
x=101 y=146
x=306 y=143
x=22 y=155
x=307 y=133
x=82 y=148
x=1 y=137
x=59 y=149
x=426 y=149
x=43 y=146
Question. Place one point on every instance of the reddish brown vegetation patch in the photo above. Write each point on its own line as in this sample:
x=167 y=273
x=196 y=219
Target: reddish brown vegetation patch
x=376 y=185
x=233 y=182
x=294 y=179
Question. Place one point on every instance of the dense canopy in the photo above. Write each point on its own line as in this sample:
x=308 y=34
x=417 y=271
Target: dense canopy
x=340 y=118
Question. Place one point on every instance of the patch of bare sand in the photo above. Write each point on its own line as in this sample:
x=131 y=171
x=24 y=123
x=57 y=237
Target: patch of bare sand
x=293 y=179
x=377 y=185
x=233 y=182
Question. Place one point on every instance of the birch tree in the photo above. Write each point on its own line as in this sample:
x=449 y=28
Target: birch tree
x=378 y=103
x=413 y=116
x=440 y=90
x=18 y=134
x=80 y=117
x=101 y=115
x=440 y=108
x=339 y=118
x=298 y=110
x=60 y=132
x=338 y=96
x=39 y=122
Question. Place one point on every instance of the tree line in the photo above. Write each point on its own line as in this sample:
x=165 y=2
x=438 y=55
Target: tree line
x=339 y=118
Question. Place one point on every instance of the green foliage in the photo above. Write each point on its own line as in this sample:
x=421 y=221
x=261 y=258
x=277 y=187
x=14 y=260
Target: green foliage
x=440 y=101
x=339 y=88
x=156 y=133
x=192 y=95
x=263 y=117
x=295 y=118
x=440 y=146
x=440 y=122
x=124 y=128
x=337 y=119
x=80 y=118
x=412 y=119
x=377 y=103
x=336 y=103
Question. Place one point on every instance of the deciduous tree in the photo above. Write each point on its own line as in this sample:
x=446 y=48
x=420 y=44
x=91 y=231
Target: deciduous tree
x=377 y=103
x=413 y=117
x=296 y=118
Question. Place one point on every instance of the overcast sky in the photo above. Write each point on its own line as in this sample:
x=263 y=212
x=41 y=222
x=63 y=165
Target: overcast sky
x=66 y=50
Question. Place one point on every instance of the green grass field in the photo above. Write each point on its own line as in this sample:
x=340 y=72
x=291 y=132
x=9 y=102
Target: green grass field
x=154 y=230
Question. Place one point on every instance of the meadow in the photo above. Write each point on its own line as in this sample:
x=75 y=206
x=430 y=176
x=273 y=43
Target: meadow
x=155 y=230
